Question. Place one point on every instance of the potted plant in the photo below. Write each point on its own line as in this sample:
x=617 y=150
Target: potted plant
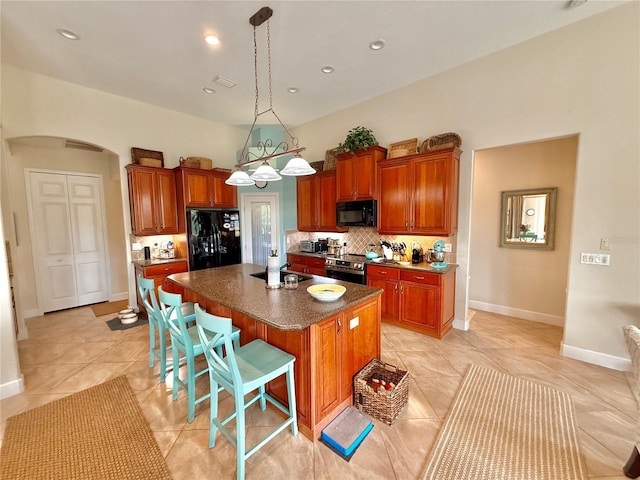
x=357 y=138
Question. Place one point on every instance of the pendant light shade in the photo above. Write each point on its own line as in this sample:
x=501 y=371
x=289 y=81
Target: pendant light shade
x=239 y=178
x=265 y=173
x=297 y=166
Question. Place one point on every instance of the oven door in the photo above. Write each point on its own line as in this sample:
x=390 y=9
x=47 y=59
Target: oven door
x=346 y=276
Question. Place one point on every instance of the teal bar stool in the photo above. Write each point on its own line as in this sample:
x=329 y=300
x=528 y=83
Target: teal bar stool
x=242 y=371
x=185 y=342
x=157 y=325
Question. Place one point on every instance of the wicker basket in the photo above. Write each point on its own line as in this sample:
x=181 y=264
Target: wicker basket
x=437 y=142
x=317 y=166
x=330 y=159
x=384 y=405
x=403 y=148
x=190 y=162
x=150 y=162
x=204 y=163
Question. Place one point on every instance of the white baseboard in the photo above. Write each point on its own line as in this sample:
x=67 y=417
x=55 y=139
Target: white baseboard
x=597 y=358
x=34 y=312
x=519 y=313
x=460 y=324
x=12 y=388
x=119 y=296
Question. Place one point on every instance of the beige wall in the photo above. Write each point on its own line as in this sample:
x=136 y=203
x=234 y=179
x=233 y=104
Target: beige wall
x=64 y=160
x=582 y=79
x=35 y=105
x=525 y=283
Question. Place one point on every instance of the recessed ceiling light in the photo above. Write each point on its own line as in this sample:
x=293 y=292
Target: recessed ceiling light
x=68 y=34
x=208 y=90
x=292 y=90
x=212 y=40
x=377 y=45
x=327 y=69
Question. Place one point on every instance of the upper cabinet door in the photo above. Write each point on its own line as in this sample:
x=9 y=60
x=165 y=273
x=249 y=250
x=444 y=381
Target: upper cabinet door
x=326 y=187
x=197 y=188
x=306 y=202
x=393 y=198
x=152 y=199
x=356 y=174
x=223 y=195
x=167 y=205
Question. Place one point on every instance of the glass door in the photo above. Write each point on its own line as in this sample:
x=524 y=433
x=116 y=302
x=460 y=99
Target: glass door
x=260 y=219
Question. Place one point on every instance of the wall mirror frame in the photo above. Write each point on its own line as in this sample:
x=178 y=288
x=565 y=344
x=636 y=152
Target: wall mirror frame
x=528 y=218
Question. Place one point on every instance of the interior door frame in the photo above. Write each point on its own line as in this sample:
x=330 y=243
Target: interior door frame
x=32 y=229
x=245 y=220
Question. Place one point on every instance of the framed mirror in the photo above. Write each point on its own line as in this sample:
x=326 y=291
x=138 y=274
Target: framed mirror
x=528 y=218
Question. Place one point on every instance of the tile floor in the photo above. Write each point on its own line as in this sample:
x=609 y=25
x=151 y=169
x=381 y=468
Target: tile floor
x=73 y=350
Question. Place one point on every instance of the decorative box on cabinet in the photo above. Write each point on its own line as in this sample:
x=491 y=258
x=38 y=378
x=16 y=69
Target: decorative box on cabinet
x=152 y=200
x=418 y=194
x=414 y=299
x=316 y=202
x=204 y=188
x=159 y=273
x=356 y=174
x=307 y=264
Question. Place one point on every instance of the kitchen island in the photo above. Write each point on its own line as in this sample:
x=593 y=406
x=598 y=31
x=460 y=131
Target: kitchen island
x=331 y=341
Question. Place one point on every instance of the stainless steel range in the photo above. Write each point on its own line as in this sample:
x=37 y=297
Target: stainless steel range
x=349 y=268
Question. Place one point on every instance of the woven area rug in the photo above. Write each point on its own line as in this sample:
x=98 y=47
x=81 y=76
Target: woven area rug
x=505 y=427
x=105 y=308
x=97 y=434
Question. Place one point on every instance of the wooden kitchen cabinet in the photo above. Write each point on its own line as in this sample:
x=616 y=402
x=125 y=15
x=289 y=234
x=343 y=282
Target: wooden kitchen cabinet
x=414 y=299
x=199 y=188
x=159 y=273
x=152 y=200
x=316 y=202
x=307 y=264
x=356 y=174
x=418 y=194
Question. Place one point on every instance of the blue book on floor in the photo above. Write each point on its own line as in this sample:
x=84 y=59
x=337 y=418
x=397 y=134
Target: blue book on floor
x=346 y=432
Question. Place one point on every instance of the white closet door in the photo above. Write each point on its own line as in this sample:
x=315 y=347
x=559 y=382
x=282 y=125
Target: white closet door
x=85 y=202
x=67 y=237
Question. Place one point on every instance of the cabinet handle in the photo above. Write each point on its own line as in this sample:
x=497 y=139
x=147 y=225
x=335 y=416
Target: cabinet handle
x=395 y=287
x=419 y=277
x=406 y=224
x=339 y=326
x=383 y=272
x=401 y=289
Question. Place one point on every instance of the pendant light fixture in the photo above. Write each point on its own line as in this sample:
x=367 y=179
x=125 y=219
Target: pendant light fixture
x=265 y=149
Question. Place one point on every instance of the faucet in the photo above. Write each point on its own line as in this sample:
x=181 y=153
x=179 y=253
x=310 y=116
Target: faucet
x=286 y=265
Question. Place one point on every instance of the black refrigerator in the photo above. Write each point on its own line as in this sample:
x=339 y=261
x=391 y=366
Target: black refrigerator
x=213 y=237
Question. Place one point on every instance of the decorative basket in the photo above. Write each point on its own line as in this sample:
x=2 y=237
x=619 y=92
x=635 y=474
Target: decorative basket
x=403 y=148
x=191 y=162
x=204 y=163
x=384 y=405
x=148 y=158
x=437 y=142
x=317 y=166
x=330 y=159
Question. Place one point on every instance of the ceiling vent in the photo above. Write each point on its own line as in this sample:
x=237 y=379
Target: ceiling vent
x=82 y=146
x=225 y=82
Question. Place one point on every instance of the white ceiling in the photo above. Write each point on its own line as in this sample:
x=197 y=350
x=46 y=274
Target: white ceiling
x=153 y=51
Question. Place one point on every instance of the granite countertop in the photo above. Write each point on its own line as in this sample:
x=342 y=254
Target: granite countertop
x=157 y=261
x=423 y=266
x=233 y=287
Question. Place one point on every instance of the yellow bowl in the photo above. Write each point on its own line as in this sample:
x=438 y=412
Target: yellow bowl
x=326 y=292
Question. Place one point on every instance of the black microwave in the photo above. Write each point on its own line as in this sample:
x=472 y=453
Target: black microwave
x=357 y=214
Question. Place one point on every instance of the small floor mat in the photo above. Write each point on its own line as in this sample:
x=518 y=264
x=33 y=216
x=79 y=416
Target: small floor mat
x=105 y=308
x=114 y=324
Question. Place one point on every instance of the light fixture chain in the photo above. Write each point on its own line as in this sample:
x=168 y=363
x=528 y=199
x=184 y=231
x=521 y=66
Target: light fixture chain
x=255 y=70
x=269 y=58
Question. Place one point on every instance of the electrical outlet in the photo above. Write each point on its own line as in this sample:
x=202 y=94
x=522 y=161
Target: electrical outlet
x=354 y=322
x=136 y=247
x=604 y=244
x=595 y=259
x=447 y=247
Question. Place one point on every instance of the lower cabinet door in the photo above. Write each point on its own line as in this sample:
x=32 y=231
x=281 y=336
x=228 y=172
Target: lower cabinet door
x=328 y=349
x=390 y=308
x=419 y=304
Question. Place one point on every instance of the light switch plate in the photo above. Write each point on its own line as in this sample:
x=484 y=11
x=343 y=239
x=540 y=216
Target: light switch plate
x=447 y=247
x=354 y=322
x=136 y=247
x=595 y=259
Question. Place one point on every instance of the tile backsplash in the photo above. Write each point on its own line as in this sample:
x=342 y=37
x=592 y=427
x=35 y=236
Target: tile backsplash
x=358 y=238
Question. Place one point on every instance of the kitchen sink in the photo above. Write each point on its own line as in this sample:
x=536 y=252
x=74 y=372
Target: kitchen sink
x=263 y=276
